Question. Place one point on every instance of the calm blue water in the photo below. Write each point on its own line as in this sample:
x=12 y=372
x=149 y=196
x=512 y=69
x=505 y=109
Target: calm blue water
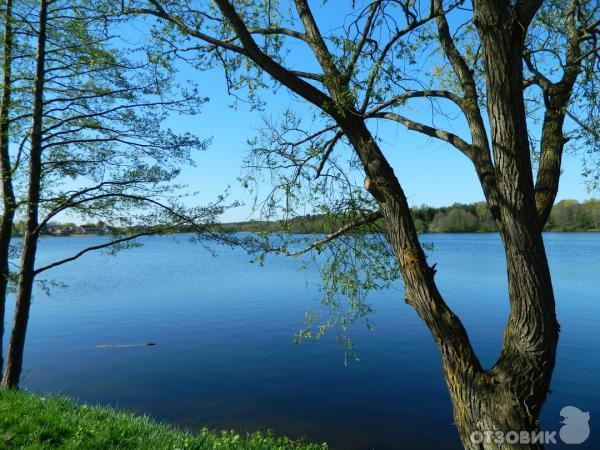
x=225 y=356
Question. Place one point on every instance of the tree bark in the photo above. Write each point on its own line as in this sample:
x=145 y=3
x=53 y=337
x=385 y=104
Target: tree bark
x=8 y=196
x=552 y=143
x=14 y=358
x=509 y=396
x=481 y=153
x=556 y=100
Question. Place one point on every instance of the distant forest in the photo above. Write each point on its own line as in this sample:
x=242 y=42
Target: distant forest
x=567 y=215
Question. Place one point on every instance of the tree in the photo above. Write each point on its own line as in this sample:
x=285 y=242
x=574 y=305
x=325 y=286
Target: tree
x=504 y=63
x=486 y=221
x=95 y=148
x=570 y=215
x=457 y=219
x=8 y=196
x=12 y=116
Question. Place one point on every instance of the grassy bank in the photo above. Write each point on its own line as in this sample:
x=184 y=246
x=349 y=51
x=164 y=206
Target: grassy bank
x=31 y=422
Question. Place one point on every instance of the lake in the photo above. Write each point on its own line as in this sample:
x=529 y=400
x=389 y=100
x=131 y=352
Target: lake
x=225 y=355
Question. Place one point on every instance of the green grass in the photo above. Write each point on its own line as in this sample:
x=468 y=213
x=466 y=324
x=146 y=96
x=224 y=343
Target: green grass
x=32 y=422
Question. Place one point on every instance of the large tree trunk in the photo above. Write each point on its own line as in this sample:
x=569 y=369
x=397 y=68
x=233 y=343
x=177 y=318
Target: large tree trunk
x=8 y=196
x=510 y=395
x=5 y=238
x=14 y=357
x=16 y=347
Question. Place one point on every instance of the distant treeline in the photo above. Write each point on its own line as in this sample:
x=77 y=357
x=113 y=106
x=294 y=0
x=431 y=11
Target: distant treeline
x=308 y=224
x=567 y=215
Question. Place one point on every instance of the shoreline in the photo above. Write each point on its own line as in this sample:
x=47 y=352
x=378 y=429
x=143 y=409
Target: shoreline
x=321 y=232
x=79 y=235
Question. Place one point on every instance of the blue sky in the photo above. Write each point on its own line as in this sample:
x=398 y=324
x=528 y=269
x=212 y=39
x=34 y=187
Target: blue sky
x=430 y=171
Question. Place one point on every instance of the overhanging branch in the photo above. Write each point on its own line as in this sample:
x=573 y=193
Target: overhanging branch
x=368 y=219
x=442 y=135
x=92 y=248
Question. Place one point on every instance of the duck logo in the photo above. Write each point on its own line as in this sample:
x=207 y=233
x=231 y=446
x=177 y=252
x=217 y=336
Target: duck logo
x=576 y=427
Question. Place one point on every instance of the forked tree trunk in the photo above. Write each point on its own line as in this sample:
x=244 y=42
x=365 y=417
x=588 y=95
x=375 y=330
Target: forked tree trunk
x=14 y=357
x=507 y=398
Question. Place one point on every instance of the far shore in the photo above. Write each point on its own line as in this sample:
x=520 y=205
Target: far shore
x=306 y=232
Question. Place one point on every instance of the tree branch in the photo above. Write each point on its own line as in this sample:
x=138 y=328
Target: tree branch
x=265 y=62
x=445 y=136
x=328 y=149
x=556 y=100
x=481 y=155
x=526 y=10
x=593 y=131
x=370 y=218
x=372 y=78
x=315 y=39
x=363 y=40
x=90 y=249
x=418 y=94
